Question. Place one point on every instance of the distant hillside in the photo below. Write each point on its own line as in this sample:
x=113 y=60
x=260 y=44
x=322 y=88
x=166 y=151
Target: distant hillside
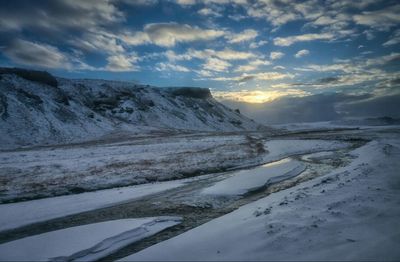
x=37 y=108
x=322 y=107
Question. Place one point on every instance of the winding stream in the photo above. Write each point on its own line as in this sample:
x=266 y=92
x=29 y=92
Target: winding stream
x=187 y=202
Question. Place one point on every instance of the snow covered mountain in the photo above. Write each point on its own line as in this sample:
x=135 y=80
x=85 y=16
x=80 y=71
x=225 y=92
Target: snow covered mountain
x=37 y=108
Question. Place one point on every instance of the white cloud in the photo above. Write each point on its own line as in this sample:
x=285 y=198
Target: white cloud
x=279 y=67
x=325 y=68
x=229 y=54
x=382 y=60
x=215 y=64
x=258 y=44
x=139 y=2
x=172 y=56
x=287 y=41
x=380 y=19
x=276 y=55
x=244 y=36
x=98 y=43
x=171 y=67
x=168 y=34
x=272 y=76
x=302 y=53
x=324 y=20
x=225 y=54
x=264 y=76
x=275 y=16
x=252 y=65
x=185 y=2
x=209 y=12
x=122 y=63
x=204 y=73
x=394 y=39
x=279 y=13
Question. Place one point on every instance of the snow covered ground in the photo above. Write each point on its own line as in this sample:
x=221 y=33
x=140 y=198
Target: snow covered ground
x=60 y=170
x=51 y=171
x=15 y=215
x=351 y=213
x=280 y=148
x=84 y=243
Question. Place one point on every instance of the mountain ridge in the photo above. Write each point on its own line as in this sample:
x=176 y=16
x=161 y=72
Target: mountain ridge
x=37 y=108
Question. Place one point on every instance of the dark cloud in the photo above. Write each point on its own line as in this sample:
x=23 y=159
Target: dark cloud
x=328 y=80
x=34 y=54
x=246 y=78
x=59 y=15
x=32 y=33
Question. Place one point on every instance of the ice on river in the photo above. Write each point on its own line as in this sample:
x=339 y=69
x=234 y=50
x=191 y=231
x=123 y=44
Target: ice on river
x=252 y=179
x=24 y=213
x=84 y=243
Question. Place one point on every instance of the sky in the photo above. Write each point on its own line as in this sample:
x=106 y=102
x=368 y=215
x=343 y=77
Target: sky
x=243 y=50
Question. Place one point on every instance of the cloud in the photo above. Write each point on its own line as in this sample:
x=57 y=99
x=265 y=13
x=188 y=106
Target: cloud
x=302 y=53
x=139 y=2
x=172 y=56
x=80 y=26
x=324 y=20
x=215 y=64
x=186 y=2
x=279 y=67
x=209 y=12
x=229 y=54
x=225 y=54
x=122 y=63
x=328 y=80
x=394 y=39
x=246 y=35
x=382 y=19
x=382 y=60
x=169 y=34
x=274 y=12
x=204 y=73
x=254 y=45
x=325 y=68
x=281 y=12
x=171 y=67
x=252 y=65
x=98 y=43
x=61 y=15
x=276 y=55
x=287 y=41
x=264 y=76
x=36 y=54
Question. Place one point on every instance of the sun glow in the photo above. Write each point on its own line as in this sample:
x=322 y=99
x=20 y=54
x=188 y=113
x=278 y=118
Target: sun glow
x=255 y=96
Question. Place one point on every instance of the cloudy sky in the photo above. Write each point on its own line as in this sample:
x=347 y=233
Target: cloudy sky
x=246 y=50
